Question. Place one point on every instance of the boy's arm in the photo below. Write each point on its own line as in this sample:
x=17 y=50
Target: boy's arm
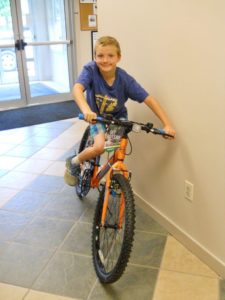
x=160 y=113
x=78 y=95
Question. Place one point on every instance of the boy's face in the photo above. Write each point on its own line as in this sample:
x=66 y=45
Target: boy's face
x=106 y=58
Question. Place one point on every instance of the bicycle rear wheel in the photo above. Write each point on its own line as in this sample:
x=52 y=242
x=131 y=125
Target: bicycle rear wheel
x=112 y=242
x=85 y=140
x=84 y=179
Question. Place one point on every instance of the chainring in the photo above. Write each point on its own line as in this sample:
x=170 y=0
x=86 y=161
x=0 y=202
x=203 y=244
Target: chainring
x=84 y=181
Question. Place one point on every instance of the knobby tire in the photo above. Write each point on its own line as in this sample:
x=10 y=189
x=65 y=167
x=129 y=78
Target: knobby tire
x=111 y=246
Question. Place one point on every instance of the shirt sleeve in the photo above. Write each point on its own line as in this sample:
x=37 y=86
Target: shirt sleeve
x=136 y=91
x=86 y=76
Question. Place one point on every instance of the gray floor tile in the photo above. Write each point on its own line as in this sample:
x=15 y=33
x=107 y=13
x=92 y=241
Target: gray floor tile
x=137 y=283
x=79 y=240
x=148 y=249
x=64 y=207
x=88 y=215
x=27 y=202
x=24 y=151
x=46 y=233
x=146 y=223
x=70 y=152
x=37 y=141
x=89 y=202
x=57 y=125
x=21 y=264
x=69 y=191
x=3 y=247
x=46 y=184
x=92 y=197
x=11 y=224
x=222 y=290
x=67 y=275
x=48 y=131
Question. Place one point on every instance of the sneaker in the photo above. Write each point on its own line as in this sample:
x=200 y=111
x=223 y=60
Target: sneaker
x=71 y=173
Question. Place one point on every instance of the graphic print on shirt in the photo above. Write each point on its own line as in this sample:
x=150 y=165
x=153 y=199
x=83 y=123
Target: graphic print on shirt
x=105 y=103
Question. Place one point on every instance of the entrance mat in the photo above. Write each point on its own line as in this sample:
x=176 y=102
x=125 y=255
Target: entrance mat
x=27 y=116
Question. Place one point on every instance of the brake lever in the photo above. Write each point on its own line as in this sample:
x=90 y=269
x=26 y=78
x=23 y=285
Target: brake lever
x=147 y=127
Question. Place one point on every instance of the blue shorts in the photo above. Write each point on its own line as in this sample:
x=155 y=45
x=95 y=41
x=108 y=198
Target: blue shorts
x=96 y=129
x=101 y=128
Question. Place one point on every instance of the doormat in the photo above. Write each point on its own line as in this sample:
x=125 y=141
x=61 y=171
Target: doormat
x=27 y=116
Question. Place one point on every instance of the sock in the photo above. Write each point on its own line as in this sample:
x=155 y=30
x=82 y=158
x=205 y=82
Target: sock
x=75 y=160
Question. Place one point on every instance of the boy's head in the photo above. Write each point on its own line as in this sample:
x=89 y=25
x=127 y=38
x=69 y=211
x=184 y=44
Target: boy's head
x=108 y=41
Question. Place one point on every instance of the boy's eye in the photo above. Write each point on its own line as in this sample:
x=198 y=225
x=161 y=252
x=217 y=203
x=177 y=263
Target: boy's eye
x=101 y=56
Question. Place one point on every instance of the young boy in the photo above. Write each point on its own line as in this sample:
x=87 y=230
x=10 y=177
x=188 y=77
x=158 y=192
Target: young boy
x=107 y=88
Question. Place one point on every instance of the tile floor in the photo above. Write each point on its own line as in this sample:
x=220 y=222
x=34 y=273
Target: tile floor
x=45 y=232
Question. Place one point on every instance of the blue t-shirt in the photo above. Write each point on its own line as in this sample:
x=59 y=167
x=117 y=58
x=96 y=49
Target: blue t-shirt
x=105 y=99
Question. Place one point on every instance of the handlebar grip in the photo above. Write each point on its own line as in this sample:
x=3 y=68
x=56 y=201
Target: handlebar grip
x=81 y=117
x=161 y=132
x=158 y=131
x=99 y=119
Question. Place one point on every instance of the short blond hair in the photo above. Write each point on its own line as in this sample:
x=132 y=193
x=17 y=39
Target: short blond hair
x=108 y=41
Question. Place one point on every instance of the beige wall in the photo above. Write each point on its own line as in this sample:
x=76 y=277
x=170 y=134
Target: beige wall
x=176 y=49
x=83 y=40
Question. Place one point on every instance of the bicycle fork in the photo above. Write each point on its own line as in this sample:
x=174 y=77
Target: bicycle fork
x=120 y=167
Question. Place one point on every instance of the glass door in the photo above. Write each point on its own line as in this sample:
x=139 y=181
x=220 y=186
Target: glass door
x=36 y=52
x=10 y=91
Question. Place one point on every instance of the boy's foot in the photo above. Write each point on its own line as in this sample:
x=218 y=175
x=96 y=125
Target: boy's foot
x=71 y=173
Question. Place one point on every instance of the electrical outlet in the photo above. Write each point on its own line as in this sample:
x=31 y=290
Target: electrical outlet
x=188 y=190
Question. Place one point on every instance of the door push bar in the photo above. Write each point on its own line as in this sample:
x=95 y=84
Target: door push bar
x=20 y=44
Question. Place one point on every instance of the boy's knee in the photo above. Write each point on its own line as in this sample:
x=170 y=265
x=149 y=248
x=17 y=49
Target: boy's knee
x=98 y=149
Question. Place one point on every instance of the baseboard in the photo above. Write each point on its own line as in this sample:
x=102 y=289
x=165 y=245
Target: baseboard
x=197 y=249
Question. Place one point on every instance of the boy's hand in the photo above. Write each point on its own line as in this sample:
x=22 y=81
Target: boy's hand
x=170 y=131
x=90 y=116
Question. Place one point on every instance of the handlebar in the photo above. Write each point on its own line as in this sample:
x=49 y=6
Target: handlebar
x=129 y=125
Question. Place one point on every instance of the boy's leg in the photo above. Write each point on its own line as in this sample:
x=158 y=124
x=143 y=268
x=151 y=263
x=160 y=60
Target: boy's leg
x=95 y=150
x=73 y=163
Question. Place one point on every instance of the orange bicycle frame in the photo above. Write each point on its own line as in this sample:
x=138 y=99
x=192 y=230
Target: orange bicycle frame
x=114 y=164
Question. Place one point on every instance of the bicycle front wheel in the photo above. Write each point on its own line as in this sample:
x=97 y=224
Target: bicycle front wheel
x=112 y=242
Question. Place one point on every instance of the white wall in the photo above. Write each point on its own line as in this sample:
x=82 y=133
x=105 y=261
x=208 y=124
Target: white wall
x=83 y=40
x=176 y=49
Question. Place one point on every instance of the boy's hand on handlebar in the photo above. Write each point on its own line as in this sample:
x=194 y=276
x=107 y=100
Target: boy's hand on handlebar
x=89 y=116
x=169 y=130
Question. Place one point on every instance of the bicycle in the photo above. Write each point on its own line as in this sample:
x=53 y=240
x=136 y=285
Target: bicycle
x=114 y=217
